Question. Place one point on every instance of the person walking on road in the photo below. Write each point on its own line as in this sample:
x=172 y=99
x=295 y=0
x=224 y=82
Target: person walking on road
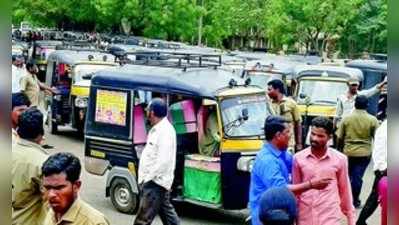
x=272 y=166
x=379 y=157
x=61 y=184
x=354 y=137
x=287 y=108
x=156 y=168
x=326 y=206
x=28 y=206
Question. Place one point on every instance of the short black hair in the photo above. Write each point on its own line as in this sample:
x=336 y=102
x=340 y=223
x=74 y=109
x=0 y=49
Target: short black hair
x=361 y=102
x=274 y=124
x=19 y=99
x=159 y=107
x=277 y=84
x=30 y=124
x=323 y=122
x=30 y=64
x=62 y=162
x=277 y=206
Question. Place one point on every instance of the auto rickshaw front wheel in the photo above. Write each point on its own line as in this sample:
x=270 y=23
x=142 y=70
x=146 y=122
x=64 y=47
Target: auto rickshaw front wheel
x=52 y=126
x=122 y=196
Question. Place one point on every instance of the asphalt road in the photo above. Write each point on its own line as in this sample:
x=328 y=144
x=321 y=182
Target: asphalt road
x=93 y=191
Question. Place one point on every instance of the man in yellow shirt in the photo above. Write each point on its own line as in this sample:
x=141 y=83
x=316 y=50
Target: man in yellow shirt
x=61 y=184
x=288 y=109
x=28 y=206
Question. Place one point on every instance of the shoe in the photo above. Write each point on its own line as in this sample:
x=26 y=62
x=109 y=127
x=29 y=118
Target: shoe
x=46 y=146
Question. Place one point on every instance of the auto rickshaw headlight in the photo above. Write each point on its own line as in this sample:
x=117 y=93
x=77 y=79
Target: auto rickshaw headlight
x=81 y=102
x=245 y=163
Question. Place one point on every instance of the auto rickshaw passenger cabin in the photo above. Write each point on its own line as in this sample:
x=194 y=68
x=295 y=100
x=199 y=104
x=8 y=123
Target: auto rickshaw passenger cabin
x=116 y=131
x=70 y=71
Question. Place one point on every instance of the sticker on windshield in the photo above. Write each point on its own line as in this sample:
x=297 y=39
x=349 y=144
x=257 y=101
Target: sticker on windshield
x=111 y=107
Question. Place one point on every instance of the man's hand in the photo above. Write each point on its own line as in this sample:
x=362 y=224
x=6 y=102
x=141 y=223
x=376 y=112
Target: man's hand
x=319 y=183
x=54 y=91
x=381 y=86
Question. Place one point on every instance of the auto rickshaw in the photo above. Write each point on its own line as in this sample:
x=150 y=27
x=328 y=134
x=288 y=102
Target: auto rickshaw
x=39 y=52
x=69 y=71
x=317 y=88
x=116 y=131
x=374 y=72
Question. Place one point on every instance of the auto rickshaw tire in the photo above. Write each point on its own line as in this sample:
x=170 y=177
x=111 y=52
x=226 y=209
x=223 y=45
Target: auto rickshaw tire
x=119 y=189
x=53 y=127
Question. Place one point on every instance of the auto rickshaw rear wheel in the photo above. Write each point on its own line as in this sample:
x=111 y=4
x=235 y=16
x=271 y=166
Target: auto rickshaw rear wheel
x=122 y=196
x=52 y=126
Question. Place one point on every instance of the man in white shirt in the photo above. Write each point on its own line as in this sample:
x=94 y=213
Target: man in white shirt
x=379 y=156
x=17 y=73
x=156 y=168
x=346 y=102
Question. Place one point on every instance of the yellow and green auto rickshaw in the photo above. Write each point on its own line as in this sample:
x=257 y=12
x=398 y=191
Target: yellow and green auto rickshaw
x=116 y=131
x=70 y=72
x=317 y=88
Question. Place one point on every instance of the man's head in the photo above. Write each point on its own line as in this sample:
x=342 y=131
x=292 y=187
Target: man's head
x=156 y=110
x=321 y=131
x=17 y=61
x=30 y=125
x=277 y=207
x=353 y=86
x=31 y=67
x=20 y=103
x=361 y=102
x=275 y=88
x=277 y=131
x=61 y=180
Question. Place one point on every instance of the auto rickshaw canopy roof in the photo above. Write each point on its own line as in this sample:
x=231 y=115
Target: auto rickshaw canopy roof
x=368 y=64
x=328 y=71
x=73 y=57
x=201 y=82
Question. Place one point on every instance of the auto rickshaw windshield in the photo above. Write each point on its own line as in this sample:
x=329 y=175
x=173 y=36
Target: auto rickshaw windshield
x=84 y=69
x=244 y=116
x=320 y=91
x=262 y=78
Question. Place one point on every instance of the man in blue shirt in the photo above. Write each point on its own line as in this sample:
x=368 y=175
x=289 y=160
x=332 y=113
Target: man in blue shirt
x=273 y=164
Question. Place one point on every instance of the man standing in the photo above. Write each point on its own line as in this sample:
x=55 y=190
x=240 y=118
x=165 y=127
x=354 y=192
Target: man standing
x=156 y=168
x=20 y=103
x=345 y=103
x=354 y=136
x=323 y=207
x=287 y=108
x=17 y=73
x=379 y=156
x=31 y=86
x=27 y=158
x=61 y=184
x=272 y=166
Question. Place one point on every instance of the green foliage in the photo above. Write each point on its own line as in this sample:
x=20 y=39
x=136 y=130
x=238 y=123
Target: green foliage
x=352 y=25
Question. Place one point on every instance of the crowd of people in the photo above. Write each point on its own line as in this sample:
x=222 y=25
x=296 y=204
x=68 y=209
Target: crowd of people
x=289 y=184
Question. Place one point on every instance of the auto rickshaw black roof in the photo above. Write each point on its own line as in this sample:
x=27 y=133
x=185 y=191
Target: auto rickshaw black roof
x=47 y=43
x=330 y=71
x=201 y=82
x=380 y=65
x=73 y=57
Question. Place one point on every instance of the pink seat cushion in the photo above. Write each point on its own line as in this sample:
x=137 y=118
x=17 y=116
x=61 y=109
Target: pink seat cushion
x=139 y=129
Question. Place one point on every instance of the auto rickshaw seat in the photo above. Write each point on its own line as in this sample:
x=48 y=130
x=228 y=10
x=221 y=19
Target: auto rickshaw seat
x=183 y=117
x=139 y=128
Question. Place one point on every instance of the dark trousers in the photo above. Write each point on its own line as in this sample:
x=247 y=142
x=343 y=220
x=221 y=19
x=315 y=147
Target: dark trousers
x=372 y=201
x=155 y=200
x=357 y=167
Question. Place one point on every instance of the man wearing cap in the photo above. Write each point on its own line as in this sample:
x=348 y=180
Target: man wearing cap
x=345 y=103
x=156 y=168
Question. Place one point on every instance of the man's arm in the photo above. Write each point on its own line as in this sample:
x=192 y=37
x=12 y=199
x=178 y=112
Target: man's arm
x=374 y=90
x=345 y=193
x=47 y=88
x=296 y=115
x=340 y=136
x=338 y=113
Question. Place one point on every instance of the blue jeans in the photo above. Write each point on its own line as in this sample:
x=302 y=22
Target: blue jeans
x=357 y=167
